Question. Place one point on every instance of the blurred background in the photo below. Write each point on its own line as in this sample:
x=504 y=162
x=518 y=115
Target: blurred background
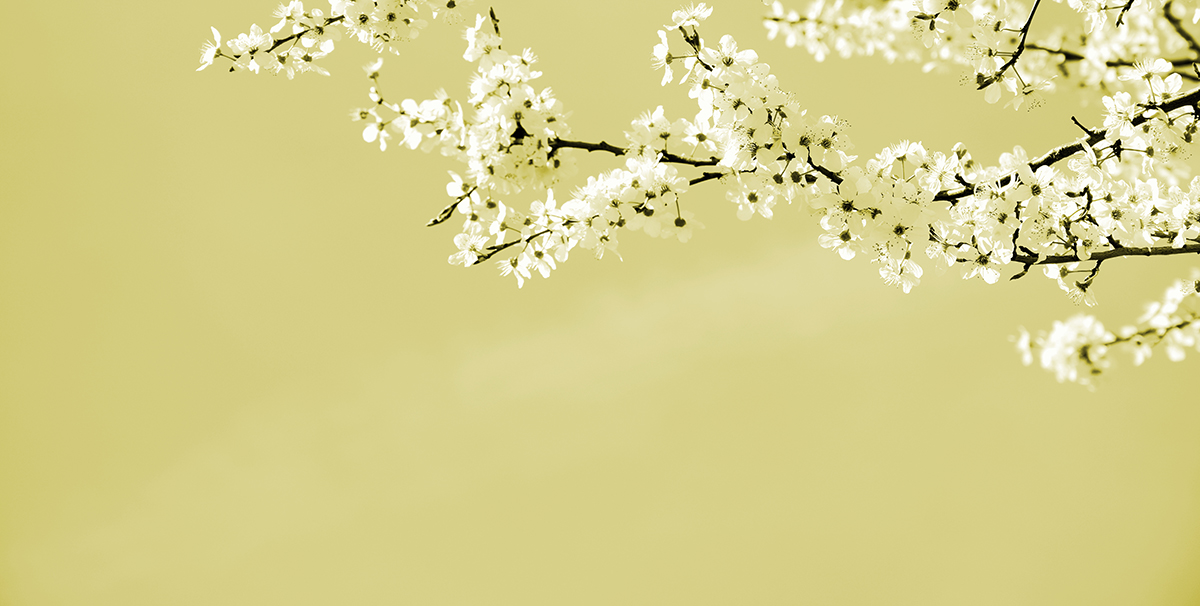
x=235 y=367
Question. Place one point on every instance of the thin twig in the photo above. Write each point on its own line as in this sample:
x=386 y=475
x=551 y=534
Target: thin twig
x=1179 y=29
x=1017 y=53
x=1074 y=56
x=495 y=248
x=280 y=42
x=1124 y=9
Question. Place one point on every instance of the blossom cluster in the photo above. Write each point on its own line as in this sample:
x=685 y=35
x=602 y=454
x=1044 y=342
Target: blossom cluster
x=1078 y=349
x=990 y=38
x=303 y=36
x=744 y=133
x=1120 y=189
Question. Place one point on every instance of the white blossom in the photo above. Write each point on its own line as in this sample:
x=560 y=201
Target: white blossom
x=1120 y=188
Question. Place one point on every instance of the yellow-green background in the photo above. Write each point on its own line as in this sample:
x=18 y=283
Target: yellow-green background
x=235 y=368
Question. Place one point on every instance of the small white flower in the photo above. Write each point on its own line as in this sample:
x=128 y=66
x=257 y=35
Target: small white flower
x=691 y=15
x=210 y=50
x=1118 y=116
x=470 y=247
x=661 y=58
x=372 y=68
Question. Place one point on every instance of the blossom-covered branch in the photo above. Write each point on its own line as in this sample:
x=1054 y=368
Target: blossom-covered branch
x=1078 y=349
x=1118 y=191
x=977 y=35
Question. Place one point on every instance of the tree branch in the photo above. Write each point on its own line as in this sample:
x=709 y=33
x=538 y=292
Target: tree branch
x=1063 y=152
x=495 y=248
x=1124 y=9
x=1016 y=53
x=1074 y=56
x=1179 y=29
x=1158 y=332
x=1150 y=251
x=619 y=151
x=280 y=42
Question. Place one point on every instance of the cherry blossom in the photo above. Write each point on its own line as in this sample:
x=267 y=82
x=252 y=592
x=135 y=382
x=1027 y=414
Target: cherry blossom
x=1122 y=188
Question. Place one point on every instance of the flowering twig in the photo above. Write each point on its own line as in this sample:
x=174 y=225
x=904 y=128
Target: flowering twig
x=1179 y=29
x=449 y=210
x=1179 y=64
x=300 y=34
x=1016 y=54
x=496 y=248
x=1114 y=198
x=1063 y=152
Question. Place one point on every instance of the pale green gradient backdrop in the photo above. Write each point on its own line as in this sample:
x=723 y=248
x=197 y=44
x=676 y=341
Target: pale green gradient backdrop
x=235 y=368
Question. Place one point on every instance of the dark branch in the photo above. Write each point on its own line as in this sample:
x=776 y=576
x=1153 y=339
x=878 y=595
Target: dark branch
x=1016 y=53
x=1061 y=153
x=601 y=146
x=828 y=174
x=1124 y=9
x=1150 y=251
x=442 y=216
x=1179 y=29
x=1073 y=56
x=491 y=251
x=706 y=177
x=495 y=20
x=1152 y=331
x=1089 y=132
x=449 y=210
x=619 y=151
x=280 y=42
